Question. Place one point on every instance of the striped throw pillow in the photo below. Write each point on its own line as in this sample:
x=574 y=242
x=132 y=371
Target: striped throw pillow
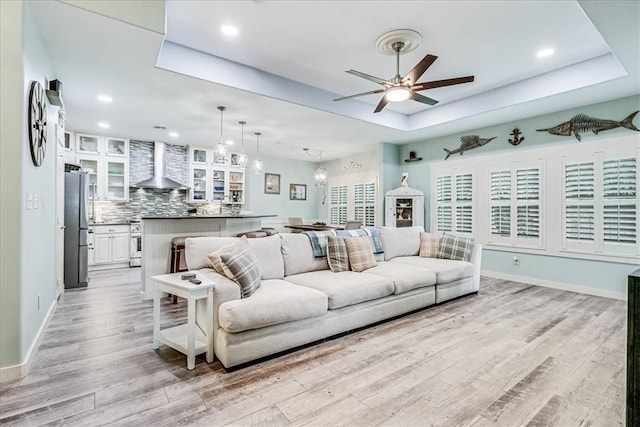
x=455 y=248
x=216 y=262
x=360 y=250
x=337 y=254
x=243 y=264
x=429 y=245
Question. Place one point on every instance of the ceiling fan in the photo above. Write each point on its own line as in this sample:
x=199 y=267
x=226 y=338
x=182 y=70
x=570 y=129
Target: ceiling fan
x=402 y=88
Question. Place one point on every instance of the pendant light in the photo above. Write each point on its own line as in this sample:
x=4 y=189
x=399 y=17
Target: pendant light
x=242 y=157
x=220 y=151
x=257 y=163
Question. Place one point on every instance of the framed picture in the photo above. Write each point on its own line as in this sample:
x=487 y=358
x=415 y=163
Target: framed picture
x=271 y=183
x=297 y=192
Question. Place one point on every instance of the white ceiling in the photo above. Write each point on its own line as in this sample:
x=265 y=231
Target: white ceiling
x=288 y=63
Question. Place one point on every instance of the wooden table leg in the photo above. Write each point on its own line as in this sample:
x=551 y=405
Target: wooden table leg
x=191 y=335
x=157 y=296
x=209 y=326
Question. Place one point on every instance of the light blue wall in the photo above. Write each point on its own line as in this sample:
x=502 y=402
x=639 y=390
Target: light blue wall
x=599 y=275
x=291 y=172
x=37 y=261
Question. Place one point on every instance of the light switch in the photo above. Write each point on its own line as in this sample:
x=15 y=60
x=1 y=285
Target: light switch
x=29 y=201
x=36 y=201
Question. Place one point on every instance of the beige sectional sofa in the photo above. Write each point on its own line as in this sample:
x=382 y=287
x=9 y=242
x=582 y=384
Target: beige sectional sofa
x=301 y=300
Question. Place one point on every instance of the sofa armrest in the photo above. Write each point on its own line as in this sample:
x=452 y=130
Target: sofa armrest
x=225 y=290
x=476 y=260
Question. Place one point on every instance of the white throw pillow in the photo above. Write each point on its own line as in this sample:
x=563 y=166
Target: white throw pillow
x=403 y=241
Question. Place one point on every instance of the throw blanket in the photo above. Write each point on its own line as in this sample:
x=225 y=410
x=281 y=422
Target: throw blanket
x=319 y=241
x=367 y=231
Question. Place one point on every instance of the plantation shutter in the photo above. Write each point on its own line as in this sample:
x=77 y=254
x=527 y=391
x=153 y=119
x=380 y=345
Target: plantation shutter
x=443 y=203
x=338 y=204
x=619 y=205
x=365 y=203
x=579 y=201
x=464 y=206
x=500 y=203
x=528 y=202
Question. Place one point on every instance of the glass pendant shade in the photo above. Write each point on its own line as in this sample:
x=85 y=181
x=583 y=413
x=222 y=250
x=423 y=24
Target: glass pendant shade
x=320 y=177
x=242 y=157
x=220 y=150
x=257 y=163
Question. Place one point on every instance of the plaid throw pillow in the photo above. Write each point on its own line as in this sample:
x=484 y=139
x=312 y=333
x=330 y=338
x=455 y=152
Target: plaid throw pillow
x=216 y=261
x=429 y=245
x=337 y=254
x=243 y=264
x=360 y=250
x=456 y=248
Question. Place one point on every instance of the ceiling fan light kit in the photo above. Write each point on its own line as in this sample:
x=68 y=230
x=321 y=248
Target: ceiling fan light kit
x=401 y=88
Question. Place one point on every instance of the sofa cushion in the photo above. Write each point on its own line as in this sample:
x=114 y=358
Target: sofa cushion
x=405 y=277
x=345 y=288
x=337 y=254
x=298 y=255
x=266 y=249
x=446 y=270
x=455 y=248
x=276 y=301
x=403 y=241
x=360 y=250
x=243 y=264
x=429 y=245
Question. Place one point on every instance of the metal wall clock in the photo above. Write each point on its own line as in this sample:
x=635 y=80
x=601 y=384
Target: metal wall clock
x=37 y=122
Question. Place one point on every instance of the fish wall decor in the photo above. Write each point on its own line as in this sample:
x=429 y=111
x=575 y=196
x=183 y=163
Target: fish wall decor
x=583 y=123
x=468 y=142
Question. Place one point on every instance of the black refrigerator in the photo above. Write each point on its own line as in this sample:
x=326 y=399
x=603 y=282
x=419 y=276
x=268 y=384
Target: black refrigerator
x=76 y=224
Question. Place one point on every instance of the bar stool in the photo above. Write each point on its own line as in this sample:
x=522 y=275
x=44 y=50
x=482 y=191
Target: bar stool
x=177 y=251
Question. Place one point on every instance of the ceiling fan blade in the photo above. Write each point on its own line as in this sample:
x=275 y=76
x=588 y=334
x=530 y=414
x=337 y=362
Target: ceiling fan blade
x=360 y=94
x=381 y=104
x=440 y=83
x=423 y=99
x=371 y=78
x=417 y=72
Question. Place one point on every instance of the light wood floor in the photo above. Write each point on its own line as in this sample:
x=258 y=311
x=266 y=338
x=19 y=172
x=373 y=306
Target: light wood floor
x=512 y=355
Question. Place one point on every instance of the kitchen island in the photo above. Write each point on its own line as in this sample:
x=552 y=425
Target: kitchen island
x=157 y=232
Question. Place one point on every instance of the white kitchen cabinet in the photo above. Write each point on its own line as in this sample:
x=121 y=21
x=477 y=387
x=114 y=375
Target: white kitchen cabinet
x=111 y=245
x=404 y=207
x=102 y=145
x=214 y=182
x=109 y=173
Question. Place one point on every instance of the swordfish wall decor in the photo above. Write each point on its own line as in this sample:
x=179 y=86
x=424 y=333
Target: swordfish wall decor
x=582 y=123
x=468 y=142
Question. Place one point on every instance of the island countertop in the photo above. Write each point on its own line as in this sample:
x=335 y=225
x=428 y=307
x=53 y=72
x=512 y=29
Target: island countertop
x=207 y=216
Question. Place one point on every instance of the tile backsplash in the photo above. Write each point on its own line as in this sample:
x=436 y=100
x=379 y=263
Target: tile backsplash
x=152 y=202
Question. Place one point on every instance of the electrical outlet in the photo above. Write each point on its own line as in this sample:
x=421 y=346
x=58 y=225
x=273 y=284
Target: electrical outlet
x=516 y=260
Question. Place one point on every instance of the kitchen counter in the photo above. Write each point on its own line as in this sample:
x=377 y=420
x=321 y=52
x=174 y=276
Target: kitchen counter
x=93 y=224
x=157 y=232
x=207 y=217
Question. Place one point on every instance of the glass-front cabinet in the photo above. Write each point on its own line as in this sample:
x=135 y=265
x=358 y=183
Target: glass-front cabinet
x=106 y=159
x=404 y=207
x=212 y=180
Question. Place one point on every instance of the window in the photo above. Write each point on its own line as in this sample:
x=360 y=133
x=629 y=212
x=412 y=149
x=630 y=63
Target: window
x=338 y=204
x=454 y=202
x=365 y=203
x=600 y=204
x=514 y=190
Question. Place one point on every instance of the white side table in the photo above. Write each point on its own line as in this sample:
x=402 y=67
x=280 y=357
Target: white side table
x=186 y=338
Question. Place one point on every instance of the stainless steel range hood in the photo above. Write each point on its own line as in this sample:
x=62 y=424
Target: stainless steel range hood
x=159 y=180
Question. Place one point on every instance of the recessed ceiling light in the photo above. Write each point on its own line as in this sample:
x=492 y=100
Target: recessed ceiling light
x=174 y=134
x=229 y=30
x=104 y=125
x=545 y=52
x=104 y=98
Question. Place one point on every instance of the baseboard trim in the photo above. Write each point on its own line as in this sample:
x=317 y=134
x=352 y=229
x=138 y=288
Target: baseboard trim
x=15 y=372
x=556 y=285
